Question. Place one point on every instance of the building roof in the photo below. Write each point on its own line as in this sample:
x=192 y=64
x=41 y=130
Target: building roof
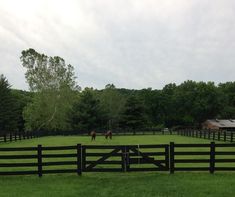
x=223 y=123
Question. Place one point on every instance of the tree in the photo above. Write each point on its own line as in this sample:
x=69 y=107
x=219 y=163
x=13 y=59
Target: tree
x=151 y=102
x=112 y=103
x=8 y=121
x=133 y=116
x=21 y=100
x=227 y=91
x=54 y=85
x=86 y=113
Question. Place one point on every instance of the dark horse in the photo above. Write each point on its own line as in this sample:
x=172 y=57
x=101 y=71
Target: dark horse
x=93 y=135
x=108 y=134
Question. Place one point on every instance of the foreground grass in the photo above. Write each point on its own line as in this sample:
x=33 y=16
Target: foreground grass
x=120 y=185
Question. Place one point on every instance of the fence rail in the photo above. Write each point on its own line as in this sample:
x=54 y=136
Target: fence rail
x=226 y=136
x=9 y=137
x=219 y=135
x=122 y=158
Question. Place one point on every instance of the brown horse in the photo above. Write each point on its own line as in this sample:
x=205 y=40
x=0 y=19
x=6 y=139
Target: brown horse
x=108 y=134
x=93 y=135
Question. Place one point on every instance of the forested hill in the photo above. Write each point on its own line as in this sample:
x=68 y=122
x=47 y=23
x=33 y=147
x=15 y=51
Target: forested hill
x=187 y=104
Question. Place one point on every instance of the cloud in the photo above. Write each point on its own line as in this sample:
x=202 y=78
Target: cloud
x=131 y=43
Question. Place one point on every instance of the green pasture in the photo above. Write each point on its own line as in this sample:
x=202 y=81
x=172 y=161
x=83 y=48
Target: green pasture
x=115 y=184
x=100 y=140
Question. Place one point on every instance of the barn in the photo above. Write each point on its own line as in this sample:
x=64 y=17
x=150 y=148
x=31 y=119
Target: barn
x=219 y=124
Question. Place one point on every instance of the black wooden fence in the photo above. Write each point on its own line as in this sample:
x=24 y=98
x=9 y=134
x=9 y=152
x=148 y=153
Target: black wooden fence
x=226 y=136
x=122 y=158
x=14 y=136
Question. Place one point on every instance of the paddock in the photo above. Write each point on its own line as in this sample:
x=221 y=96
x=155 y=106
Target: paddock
x=155 y=183
x=78 y=154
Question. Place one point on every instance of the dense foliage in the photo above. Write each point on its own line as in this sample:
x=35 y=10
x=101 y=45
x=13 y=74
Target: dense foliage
x=56 y=103
x=86 y=113
x=7 y=107
x=188 y=104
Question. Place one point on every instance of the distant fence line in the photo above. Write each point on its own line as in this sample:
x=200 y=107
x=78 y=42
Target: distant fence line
x=219 y=135
x=14 y=136
x=117 y=158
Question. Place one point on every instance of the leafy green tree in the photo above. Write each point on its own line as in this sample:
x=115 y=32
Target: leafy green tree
x=112 y=103
x=197 y=102
x=133 y=116
x=167 y=107
x=151 y=101
x=227 y=91
x=54 y=85
x=8 y=121
x=86 y=113
x=21 y=100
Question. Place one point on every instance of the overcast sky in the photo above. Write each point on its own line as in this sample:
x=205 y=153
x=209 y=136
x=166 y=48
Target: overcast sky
x=131 y=43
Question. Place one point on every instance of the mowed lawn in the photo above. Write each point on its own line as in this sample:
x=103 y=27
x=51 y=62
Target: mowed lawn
x=100 y=140
x=117 y=184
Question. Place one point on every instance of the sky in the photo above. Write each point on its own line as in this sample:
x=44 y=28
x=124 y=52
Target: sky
x=131 y=43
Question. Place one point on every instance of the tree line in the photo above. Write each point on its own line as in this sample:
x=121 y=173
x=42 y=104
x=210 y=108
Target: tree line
x=55 y=102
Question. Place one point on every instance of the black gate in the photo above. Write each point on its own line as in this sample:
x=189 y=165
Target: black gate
x=96 y=158
x=147 y=158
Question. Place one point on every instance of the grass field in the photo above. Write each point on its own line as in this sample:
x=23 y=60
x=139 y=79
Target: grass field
x=117 y=140
x=117 y=184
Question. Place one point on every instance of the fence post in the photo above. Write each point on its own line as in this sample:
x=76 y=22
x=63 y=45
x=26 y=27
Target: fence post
x=219 y=136
x=127 y=158
x=172 y=157
x=213 y=135
x=83 y=158
x=212 y=157
x=5 y=138
x=79 y=159
x=167 y=156
x=231 y=140
x=40 y=160
x=123 y=158
x=224 y=136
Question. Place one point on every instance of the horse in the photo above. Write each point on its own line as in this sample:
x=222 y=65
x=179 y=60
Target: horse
x=93 y=135
x=108 y=134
